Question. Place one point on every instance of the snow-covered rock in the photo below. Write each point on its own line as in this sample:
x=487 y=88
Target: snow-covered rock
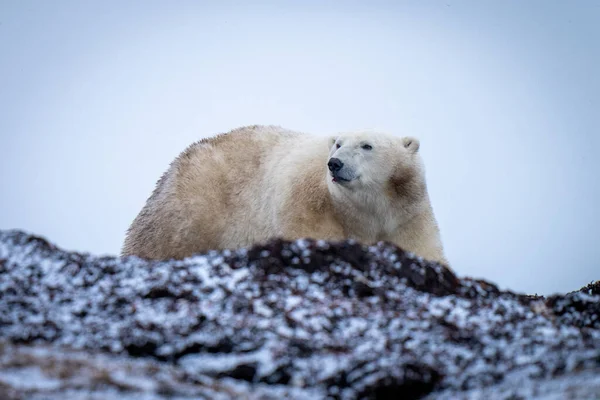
x=303 y=319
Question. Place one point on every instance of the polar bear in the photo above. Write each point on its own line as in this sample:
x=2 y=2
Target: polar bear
x=260 y=182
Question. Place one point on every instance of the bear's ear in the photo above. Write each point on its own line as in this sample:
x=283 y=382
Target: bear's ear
x=411 y=144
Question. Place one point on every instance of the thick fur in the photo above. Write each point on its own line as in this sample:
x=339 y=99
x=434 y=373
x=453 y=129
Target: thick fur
x=261 y=182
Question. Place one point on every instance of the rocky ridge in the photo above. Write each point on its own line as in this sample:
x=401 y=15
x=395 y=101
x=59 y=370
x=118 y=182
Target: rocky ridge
x=302 y=319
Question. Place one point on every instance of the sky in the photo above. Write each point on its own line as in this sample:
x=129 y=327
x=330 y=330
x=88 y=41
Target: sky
x=97 y=98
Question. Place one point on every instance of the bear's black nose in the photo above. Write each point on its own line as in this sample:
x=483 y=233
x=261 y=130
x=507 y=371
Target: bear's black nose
x=335 y=164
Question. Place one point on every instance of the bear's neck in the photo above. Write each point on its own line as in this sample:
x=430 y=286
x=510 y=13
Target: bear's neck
x=370 y=215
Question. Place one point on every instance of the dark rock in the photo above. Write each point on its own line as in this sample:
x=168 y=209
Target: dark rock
x=302 y=319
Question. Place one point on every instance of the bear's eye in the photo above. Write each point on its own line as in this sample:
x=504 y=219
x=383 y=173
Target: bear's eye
x=367 y=147
x=337 y=146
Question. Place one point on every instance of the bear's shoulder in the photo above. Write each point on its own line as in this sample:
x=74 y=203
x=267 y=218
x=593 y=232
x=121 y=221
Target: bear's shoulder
x=250 y=135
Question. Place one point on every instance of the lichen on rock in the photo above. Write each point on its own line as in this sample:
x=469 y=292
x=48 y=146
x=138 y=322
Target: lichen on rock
x=300 y=319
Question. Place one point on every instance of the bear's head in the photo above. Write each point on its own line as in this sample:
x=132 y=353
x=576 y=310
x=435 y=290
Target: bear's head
x=376 y=163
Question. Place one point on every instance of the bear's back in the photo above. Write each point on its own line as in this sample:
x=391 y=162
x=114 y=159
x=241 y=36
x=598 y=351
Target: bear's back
x=225 y=185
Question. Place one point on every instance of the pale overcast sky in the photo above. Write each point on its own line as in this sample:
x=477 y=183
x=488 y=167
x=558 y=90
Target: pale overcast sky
x=97 y=98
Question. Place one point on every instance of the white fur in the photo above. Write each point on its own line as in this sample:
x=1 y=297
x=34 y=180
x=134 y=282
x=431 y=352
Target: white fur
x=257 y=183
